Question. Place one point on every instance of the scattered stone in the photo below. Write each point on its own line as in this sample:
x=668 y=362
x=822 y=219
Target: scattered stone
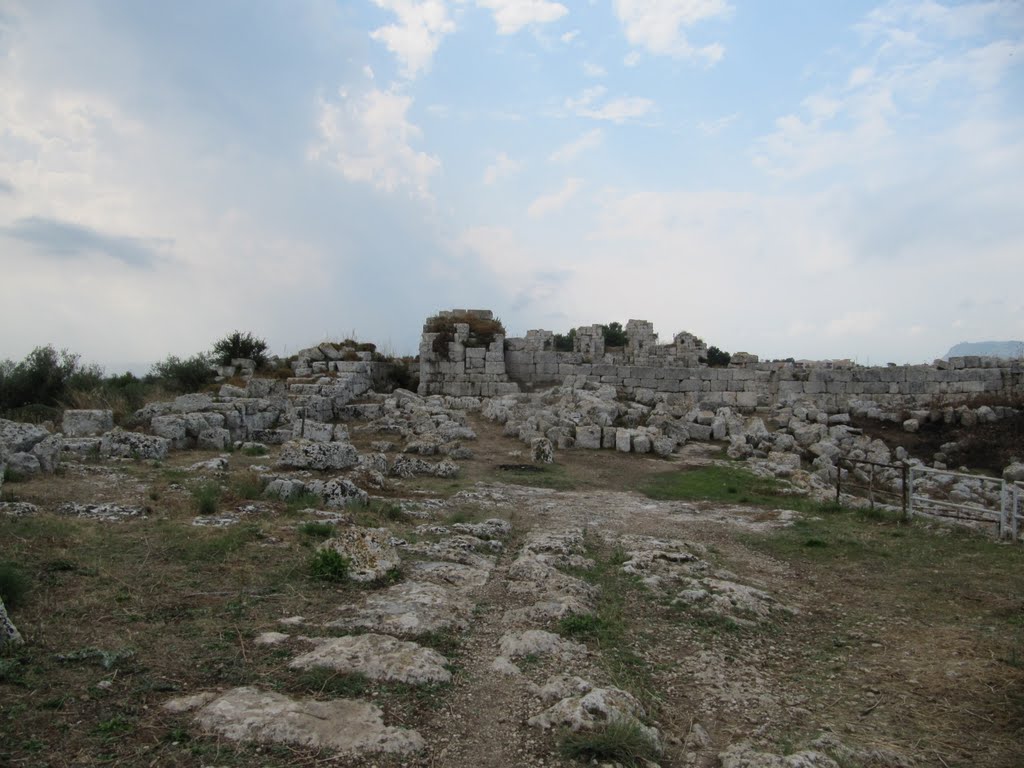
x=292 y=621
x=369 y=552
x=17 y=509
x=19 y=437
x=503 y=666
x=454 y=575
x=107 y=513
x=378 y=657
x=219 y=464
x=223 y=520
x=347 y=726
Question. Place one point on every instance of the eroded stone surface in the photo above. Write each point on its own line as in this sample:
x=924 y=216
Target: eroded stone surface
x=540 y=643
x=344 y=725
x=408 y=608
x=108 y=513
x=595 y=707
x=739 y=601
x=379 y=657
x=9 y=634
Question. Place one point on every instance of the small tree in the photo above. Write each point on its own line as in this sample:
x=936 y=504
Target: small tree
x=717 y=358
x=614 y=335
x=564 y=342
x=184 y=376
x=237 y=344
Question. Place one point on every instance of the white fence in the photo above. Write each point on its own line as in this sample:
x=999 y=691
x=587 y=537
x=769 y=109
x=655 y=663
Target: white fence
x=1008 y=517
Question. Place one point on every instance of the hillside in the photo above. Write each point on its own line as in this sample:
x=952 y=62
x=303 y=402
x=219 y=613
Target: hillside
x=1005 y=349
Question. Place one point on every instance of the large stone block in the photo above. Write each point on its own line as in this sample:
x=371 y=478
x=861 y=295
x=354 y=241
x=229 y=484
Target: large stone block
x=304 y=454
x=87 y=423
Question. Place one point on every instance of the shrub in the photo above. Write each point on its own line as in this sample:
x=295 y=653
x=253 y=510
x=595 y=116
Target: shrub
x=183 y=376
x=717 y=358
x=482 y=330
x=564 y=341
x=237 y=344
x=329 y=565
x=207 y=498
x=614 y=335
x=41 y=378
x=317 y=530
x=13 y=585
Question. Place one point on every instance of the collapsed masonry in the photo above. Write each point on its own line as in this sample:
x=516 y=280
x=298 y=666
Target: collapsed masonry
x=643 y=367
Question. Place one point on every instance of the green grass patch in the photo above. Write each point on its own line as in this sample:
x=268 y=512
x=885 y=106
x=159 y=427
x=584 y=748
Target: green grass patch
x=732 y=485
x=248 y=486
x=377 y=512
x=580 y=625
x=207 y=498
x=553 y=476
x=618 y=741
x=315 y=530
x=302 y=501
x=255 y=450
x=197 y=545
x=329 y=682
x=328 y=565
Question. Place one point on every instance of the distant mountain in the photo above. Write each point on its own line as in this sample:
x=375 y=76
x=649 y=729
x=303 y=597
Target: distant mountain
x=987 y=348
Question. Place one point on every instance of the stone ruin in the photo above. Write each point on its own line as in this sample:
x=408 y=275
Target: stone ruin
x=644 y=366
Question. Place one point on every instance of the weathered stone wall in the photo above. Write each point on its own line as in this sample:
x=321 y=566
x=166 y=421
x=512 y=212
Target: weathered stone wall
x=643 y=365
x=461 y=370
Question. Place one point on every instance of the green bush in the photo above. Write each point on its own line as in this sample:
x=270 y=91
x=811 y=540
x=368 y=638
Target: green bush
x=42 y=378
x=564 y=342
x=240 y=345
x=317 y=530
x=614 y=335
x=183 y=376
x=329 y=565
x=13 y=585
x=717 y=358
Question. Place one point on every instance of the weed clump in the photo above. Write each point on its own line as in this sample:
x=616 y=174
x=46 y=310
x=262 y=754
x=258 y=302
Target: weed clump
x=618 y=741
x=207 y=498
x=329 y=565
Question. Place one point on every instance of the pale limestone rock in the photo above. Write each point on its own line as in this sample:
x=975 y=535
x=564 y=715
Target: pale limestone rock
x=746 y=756
x=542 y=451
x=19 y=437
x=304 y=454
x=408 y=608
x=378 y=657
x=454 y=575
x=539 y=642
x=130 y=445
x=369 y=552
x=342 y=725
x=9 y=634
x=595 y=708
x=87 y=423
x=271 y=638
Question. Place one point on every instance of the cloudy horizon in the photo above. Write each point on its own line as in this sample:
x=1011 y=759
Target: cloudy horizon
x=794 y=179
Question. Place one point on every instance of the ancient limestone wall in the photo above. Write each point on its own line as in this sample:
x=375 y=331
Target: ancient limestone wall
x=645 y=366
x=460 y=369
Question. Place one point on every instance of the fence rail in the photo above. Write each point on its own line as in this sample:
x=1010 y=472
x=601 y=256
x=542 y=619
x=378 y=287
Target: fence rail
x=1008 y=517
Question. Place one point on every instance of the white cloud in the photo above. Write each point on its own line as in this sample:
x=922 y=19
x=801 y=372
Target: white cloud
x=716 y=126
x=593 y=70
x=417 y=35
x=568 y=37
x=554 y=201
x=502 y=167
x=588 y=141
x=512 y=15
x=616 y=110
x=657 y=25
x=367 y=138
x=631 y=59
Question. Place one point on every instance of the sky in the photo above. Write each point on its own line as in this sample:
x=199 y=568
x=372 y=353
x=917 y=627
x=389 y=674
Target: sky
x=793 y=178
